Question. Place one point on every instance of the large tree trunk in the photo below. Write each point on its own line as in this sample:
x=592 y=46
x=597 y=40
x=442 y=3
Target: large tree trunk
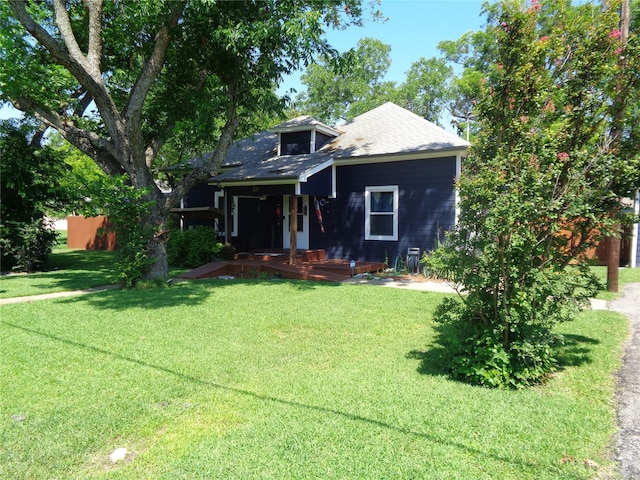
x=159 y=269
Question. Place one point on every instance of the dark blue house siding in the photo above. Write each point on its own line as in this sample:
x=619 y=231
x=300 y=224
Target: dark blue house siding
x=201 y=195
x=318 y=184
x=426 y=208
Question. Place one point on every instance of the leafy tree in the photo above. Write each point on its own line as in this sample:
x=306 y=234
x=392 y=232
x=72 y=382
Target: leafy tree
x=539 y=183
x=342 y=88
x=28 y=173
x=426 y=88
x=119 y=79
x=472 y=51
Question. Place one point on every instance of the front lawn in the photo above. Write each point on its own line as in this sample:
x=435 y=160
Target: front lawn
x=284 y=379
x=67 y=269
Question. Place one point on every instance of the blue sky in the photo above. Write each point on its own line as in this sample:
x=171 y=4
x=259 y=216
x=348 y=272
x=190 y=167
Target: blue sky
x=413 y=30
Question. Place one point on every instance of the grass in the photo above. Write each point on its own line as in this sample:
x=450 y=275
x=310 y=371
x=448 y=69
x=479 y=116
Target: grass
x=626 y=275
x=284 y=379
x=66 y=270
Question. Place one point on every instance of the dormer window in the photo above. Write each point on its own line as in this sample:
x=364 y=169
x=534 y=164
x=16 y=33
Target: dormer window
x=295 y=143
x=303 y=135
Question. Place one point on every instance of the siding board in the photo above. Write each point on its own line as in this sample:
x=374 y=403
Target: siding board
x=426 y=207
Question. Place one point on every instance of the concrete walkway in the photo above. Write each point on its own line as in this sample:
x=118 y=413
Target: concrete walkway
x=45 y=296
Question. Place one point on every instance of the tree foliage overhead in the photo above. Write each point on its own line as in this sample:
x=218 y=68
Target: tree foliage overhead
x=539 y=185
x=119 y=79
x=344 y=87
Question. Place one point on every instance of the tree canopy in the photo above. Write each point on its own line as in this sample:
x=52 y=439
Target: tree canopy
x=344 y=87
x=120 y=79
x=540 y=184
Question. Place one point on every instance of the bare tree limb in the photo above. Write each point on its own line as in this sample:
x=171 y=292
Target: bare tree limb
x=94 y=51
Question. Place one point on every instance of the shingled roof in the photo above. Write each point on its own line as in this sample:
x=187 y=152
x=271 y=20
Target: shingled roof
x=388 y=130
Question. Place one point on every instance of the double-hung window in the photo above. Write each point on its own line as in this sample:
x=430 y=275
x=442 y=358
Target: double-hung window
x=381 y=213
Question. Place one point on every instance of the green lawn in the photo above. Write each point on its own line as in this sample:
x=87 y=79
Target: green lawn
x=627 y=275
x=67 y=270
x=284 y=379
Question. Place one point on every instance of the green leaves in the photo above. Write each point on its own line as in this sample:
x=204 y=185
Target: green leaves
x=537 y=190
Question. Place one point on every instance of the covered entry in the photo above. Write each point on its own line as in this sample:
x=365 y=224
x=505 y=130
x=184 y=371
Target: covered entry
x=265 y=221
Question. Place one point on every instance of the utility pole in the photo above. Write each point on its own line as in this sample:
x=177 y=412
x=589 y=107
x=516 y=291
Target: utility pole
x=613 y=259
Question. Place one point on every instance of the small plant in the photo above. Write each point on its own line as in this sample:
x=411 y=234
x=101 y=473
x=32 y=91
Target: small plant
x=263 y=276
x=251 y=272
x=227 y=252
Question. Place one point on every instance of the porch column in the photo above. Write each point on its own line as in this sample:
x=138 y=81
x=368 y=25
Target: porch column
x=293 y=230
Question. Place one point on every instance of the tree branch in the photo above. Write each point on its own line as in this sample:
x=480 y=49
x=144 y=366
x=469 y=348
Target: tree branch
x=89 y=143
x=73 y=60
x=66 y=31
x=94 y=50
x=152 y=66
x=226 y=139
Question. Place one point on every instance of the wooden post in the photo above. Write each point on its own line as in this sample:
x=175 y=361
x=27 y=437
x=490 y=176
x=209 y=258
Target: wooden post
x=619 y=104
x=613 y=263
x=293 y=230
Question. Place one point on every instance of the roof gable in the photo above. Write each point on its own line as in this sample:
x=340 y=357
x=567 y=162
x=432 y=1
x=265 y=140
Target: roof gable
x=390 y=130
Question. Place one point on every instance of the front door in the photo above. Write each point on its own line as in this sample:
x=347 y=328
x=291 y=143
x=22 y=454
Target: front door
x=303 y=222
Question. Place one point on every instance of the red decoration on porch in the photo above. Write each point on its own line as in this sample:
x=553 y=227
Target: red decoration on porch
x=318 y=213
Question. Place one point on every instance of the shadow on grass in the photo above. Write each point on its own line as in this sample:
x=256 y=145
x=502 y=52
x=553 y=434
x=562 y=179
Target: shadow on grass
x=182 y=293
x=507 y=458
x=431 y=361
x=68 y=270
x=574 y=351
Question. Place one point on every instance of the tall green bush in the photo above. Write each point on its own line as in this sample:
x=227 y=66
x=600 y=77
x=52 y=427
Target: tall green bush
x=29 y=174
x=537 y=184
x=127 y=208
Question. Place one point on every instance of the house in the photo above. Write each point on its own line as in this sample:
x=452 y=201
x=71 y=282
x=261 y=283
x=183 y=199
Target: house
x=366 y=190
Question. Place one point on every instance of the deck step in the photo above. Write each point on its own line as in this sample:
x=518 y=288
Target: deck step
x=323 y=270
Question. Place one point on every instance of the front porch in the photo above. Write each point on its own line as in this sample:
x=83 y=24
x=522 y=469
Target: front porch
x=311 y=265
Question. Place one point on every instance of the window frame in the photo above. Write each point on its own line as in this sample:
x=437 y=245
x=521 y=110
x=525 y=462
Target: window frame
x=368 y=190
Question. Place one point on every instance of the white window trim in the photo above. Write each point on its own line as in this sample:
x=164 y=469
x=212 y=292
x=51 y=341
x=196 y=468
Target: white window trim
x=367 y=212
x=234 y=214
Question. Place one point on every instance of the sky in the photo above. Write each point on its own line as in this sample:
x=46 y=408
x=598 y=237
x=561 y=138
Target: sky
x=413 y=30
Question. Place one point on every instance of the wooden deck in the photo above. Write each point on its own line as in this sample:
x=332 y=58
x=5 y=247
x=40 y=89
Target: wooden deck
x=312 y=265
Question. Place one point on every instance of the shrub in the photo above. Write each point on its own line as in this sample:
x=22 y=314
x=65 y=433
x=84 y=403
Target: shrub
x=25 y=246
x=194 y=247
x=128 y=208
x=536 y=185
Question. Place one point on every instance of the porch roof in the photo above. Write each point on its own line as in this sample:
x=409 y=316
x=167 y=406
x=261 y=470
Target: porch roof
x=284 y=167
